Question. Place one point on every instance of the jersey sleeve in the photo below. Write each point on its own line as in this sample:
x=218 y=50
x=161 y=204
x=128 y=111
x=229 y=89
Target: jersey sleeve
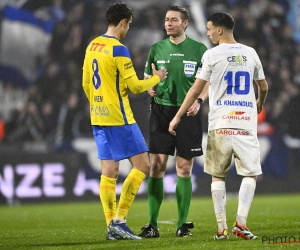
x=137 y=86
x=86 y=78
x=258 y=71
x=85 y=66
x=123 y=61
x=205 y=71
x=150 y=60
x=86 y=83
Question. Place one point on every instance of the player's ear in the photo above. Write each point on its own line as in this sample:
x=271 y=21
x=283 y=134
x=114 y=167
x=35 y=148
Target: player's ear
x=186 y=22
x=123 y=22
x=220 y=31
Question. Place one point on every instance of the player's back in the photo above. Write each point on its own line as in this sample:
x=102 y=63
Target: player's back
x=232 y=97
x=109 y=64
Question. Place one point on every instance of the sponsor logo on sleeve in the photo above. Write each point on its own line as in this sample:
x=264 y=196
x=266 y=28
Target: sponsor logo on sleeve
x=128 y=65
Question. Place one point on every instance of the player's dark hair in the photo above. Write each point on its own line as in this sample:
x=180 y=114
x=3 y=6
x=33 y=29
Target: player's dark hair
x=222 y=19
x=185 y=15
x=117 y=12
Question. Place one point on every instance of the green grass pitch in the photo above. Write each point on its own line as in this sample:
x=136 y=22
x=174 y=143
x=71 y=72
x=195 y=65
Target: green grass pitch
x=81 y=225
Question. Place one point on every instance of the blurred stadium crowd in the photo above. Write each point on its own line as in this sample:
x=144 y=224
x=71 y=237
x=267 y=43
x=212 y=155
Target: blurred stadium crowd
x=53 y=109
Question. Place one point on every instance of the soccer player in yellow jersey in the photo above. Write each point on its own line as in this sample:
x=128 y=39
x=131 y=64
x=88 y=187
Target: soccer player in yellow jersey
x=108 y=73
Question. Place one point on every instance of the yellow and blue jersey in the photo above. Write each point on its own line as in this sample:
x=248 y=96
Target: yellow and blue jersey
x=106 y=65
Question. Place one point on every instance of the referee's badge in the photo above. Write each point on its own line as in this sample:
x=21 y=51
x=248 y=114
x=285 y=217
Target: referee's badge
x=189 y=68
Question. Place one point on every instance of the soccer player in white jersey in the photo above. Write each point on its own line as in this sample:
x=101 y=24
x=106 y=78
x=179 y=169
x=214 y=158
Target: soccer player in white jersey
x=230 y=68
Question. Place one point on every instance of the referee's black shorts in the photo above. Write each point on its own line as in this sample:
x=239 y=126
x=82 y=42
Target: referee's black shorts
x=188 y=139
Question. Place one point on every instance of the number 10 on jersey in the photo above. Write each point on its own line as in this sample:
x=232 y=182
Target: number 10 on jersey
x=235 y=80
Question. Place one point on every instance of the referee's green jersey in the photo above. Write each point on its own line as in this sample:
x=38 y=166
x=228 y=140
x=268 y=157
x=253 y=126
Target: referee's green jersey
x=181 y=61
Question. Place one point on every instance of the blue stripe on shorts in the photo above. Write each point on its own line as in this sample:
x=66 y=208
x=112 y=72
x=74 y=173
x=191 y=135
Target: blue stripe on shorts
x=119 y=142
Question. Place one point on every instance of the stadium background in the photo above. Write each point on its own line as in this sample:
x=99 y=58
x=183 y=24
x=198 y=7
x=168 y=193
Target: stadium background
x=47 y=152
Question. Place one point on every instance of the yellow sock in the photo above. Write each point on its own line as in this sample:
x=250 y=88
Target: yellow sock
x=107 y=193
x=130 y=188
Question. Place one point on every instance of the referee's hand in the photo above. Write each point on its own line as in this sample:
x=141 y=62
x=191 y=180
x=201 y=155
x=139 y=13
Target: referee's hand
x=173 y=124
x=152 y=92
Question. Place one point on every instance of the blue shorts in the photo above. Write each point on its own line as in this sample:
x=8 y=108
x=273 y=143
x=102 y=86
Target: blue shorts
x=119 y=142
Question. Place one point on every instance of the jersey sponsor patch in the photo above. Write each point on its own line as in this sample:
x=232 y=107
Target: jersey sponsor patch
x=99 y=110
x=232 y=132
x=238 y=60
x=236 y=115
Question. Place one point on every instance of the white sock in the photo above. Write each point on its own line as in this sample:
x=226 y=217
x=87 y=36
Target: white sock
x=119 y=220
x=246 y=195
x=218 y=192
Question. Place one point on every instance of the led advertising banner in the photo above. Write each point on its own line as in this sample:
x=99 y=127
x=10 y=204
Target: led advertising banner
x=74 y=176
x=43 y=177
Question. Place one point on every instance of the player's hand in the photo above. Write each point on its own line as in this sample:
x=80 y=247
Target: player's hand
x=173 y=125
x=151 y=92
x=259 y=107
x=193 y=110
x=162 y=73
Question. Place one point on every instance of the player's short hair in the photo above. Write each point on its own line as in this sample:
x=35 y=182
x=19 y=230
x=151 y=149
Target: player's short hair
x=222 y=19
x=185 y=15
x=117 y=12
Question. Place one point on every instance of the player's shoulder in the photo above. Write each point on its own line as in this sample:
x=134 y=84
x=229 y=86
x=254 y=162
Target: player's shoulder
x=161 y=43
x=95 y=40
x=194 y=41
x=214 y=49
x=249 y=51
x=231 y=47
x=114 y=43
x=107 y=40
x=243 y=47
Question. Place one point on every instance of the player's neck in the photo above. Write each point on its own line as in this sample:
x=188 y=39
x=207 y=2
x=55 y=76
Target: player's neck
x=178 y=39
x=228 y=40
x=113 y=31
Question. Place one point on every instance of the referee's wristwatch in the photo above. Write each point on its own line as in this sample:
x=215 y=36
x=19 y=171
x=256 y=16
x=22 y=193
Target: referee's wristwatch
x=199 y=100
